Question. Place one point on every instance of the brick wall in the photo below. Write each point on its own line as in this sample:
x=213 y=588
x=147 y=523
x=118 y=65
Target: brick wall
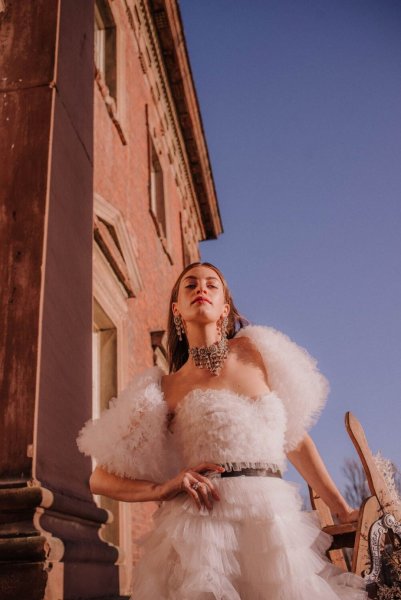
x=121 y=176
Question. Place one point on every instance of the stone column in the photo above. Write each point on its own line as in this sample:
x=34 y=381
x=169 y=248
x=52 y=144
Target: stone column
x=49 y=541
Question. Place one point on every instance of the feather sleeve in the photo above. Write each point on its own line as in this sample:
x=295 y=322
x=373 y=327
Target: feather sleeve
x=294 y=376
x=130 y=438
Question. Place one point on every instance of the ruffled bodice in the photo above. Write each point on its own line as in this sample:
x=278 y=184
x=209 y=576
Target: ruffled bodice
x=132 y=438
x=232 y=429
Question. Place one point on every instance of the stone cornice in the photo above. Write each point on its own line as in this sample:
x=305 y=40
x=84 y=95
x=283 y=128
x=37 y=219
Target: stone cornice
x=166 y=23
x=167 y=127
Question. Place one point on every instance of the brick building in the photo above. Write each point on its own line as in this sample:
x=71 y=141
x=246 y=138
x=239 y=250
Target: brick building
x=108 y=190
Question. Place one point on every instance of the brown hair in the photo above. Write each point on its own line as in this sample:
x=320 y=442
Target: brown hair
x=178 y=350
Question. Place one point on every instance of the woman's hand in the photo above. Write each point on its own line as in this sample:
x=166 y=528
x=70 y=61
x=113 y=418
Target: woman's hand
x=348 y=515
x=205 y=491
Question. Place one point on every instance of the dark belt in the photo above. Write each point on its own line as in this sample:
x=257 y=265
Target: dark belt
x=249 y=472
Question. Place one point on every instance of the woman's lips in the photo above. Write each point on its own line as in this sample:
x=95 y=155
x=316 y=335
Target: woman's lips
x=201 y=300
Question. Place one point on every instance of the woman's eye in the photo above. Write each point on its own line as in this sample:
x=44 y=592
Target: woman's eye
x=193 y=285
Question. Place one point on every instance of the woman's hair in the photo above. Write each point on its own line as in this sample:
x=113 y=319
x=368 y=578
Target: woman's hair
x=178 y=350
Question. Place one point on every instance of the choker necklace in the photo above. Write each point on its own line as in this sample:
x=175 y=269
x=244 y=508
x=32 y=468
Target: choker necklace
x=210 y=357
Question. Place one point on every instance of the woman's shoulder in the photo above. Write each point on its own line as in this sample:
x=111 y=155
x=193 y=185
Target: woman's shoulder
x=293 y=374
x=248 y=352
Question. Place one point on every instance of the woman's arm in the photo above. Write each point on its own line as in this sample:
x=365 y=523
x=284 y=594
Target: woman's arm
x=308 y=462
x=122 y=488
x=138 y=490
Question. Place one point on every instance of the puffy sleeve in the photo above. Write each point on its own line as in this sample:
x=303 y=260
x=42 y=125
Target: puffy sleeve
x=130 y=438
x=294 y=376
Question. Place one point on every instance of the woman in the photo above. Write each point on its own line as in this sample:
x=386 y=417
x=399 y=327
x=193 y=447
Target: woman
x=210 y=441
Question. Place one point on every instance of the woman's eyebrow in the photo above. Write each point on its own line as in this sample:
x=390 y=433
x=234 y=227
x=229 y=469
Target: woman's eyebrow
x=193 y=277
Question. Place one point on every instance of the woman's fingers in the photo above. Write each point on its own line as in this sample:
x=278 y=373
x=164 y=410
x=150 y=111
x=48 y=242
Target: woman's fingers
x=187 y=486
x=208 y=467
x=353 y=515
x=201 y=493
x=203 y=489
x=206 y=491
x=350 y=516
x=209 y=484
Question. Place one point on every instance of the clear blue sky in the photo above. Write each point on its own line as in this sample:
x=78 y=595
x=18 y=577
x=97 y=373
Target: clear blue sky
x=301 y=106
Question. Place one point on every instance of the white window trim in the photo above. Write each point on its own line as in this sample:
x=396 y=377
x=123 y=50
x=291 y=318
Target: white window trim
x=127 y=239
x=112 y=299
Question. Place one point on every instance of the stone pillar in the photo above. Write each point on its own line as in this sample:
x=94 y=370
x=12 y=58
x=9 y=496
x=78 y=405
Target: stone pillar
x=49 y=541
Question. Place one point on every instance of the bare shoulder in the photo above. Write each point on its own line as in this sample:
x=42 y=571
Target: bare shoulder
x=244 y=346
x=247 y=352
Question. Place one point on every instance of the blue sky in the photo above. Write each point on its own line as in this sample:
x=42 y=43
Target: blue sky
x=301 y=106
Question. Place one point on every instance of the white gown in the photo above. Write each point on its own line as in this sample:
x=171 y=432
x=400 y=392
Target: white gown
x=257 y=543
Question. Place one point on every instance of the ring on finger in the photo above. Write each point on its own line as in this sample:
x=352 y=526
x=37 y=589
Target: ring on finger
x=195 y=485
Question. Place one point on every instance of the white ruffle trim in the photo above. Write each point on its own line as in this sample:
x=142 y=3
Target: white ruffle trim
x=256 y=544
x=238 y=466
x=130 y=438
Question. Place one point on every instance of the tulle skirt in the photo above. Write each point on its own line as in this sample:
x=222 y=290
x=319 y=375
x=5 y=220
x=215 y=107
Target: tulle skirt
x=256 y=544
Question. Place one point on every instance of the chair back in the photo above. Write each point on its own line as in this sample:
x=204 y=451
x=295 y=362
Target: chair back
x=376 y=482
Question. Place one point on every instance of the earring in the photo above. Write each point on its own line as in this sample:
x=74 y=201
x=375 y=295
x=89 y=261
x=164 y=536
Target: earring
x=179 y=326
x=222 y=327
x=225 y=326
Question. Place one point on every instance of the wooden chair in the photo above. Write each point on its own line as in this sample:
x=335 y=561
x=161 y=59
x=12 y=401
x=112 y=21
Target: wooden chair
x=377 y=514
x=348 y=535
x=388 y=508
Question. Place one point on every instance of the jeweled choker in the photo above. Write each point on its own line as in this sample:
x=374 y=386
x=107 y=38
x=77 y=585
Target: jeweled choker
x=210 y=357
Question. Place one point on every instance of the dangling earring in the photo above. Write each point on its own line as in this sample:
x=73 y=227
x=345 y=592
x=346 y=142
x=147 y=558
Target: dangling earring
x=222 y=327
x=179 y=326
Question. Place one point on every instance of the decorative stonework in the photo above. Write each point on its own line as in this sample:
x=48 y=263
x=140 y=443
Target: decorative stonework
x=117 y=245
x=140 y=17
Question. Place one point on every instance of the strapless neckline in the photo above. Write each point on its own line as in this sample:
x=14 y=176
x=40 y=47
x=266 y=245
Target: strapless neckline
x=182 y=402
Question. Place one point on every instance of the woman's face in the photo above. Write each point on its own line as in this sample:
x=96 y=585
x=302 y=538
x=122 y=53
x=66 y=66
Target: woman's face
x=201 y=296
